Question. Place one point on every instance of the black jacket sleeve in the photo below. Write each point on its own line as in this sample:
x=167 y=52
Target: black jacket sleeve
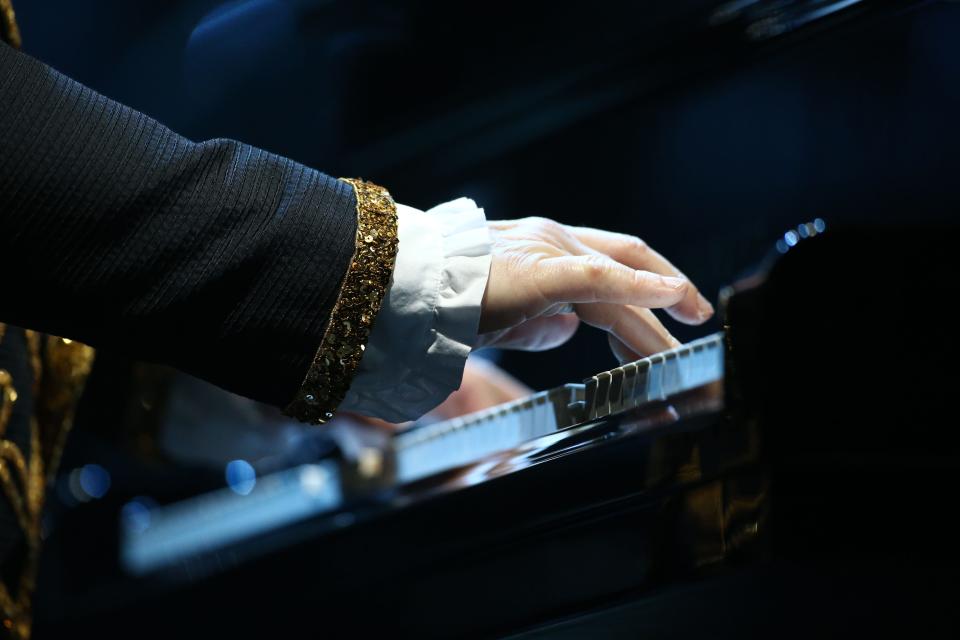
x=217 y=258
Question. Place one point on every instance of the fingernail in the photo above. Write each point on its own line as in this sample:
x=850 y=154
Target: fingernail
x=704 y=308
x=674 y=283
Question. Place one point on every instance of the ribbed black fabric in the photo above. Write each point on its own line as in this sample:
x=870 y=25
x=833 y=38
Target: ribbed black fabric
x=217 y=258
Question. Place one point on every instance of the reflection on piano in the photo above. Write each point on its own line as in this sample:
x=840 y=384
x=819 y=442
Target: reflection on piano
x=767 y=472
x=512 y=434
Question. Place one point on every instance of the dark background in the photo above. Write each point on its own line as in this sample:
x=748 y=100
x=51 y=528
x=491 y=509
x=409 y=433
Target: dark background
x=706 y=129
x=707 y=137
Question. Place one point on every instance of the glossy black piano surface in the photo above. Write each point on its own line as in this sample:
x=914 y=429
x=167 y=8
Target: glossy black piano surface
x=808 y=492
x=813 y=483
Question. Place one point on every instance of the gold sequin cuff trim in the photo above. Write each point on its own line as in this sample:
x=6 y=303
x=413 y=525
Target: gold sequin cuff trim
x=8 y=24
x=363 y=289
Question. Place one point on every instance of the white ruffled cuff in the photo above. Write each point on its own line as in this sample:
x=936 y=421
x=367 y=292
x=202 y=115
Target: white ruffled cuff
x=428 y=322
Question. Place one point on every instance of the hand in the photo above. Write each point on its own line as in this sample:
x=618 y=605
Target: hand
x=546 y=277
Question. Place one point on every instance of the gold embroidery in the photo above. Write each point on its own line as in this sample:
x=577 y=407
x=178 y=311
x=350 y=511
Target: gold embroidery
x=361 y=294
x=11 y=456
x=64 y=366
x=36 y=362
x=8 y=395
x=8 y=24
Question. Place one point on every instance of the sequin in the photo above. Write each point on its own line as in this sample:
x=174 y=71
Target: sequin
x=364 y=287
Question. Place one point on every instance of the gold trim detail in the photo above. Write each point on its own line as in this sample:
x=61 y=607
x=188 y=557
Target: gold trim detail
x=60 y=367
x=361 y=294
x=8 y=20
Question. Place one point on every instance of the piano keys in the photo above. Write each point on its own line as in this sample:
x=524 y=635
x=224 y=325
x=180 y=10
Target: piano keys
x=798 y=455
x=421 y=452
x=522 y=429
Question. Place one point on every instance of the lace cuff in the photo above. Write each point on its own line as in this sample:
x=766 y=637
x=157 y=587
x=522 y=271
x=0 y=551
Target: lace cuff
x=416 y=353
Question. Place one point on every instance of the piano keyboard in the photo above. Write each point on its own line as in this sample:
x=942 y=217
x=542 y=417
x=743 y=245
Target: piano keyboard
x=210 y=523
x=446 y=445
x=452 y=443
x=658 y=377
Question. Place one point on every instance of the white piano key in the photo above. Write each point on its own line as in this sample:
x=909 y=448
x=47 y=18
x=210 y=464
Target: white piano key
x=615 y=395
x=654 y=388
x=670 y=379
x=629 y=382
x=444 y=445
x=603 y=394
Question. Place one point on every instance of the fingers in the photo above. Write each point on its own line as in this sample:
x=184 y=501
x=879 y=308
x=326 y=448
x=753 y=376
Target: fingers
x=598 y=278
x=540 y=268
x=638 y=330
x=634 y=252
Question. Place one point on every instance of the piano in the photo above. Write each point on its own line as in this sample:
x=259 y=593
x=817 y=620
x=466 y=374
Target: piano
x=791 y=474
